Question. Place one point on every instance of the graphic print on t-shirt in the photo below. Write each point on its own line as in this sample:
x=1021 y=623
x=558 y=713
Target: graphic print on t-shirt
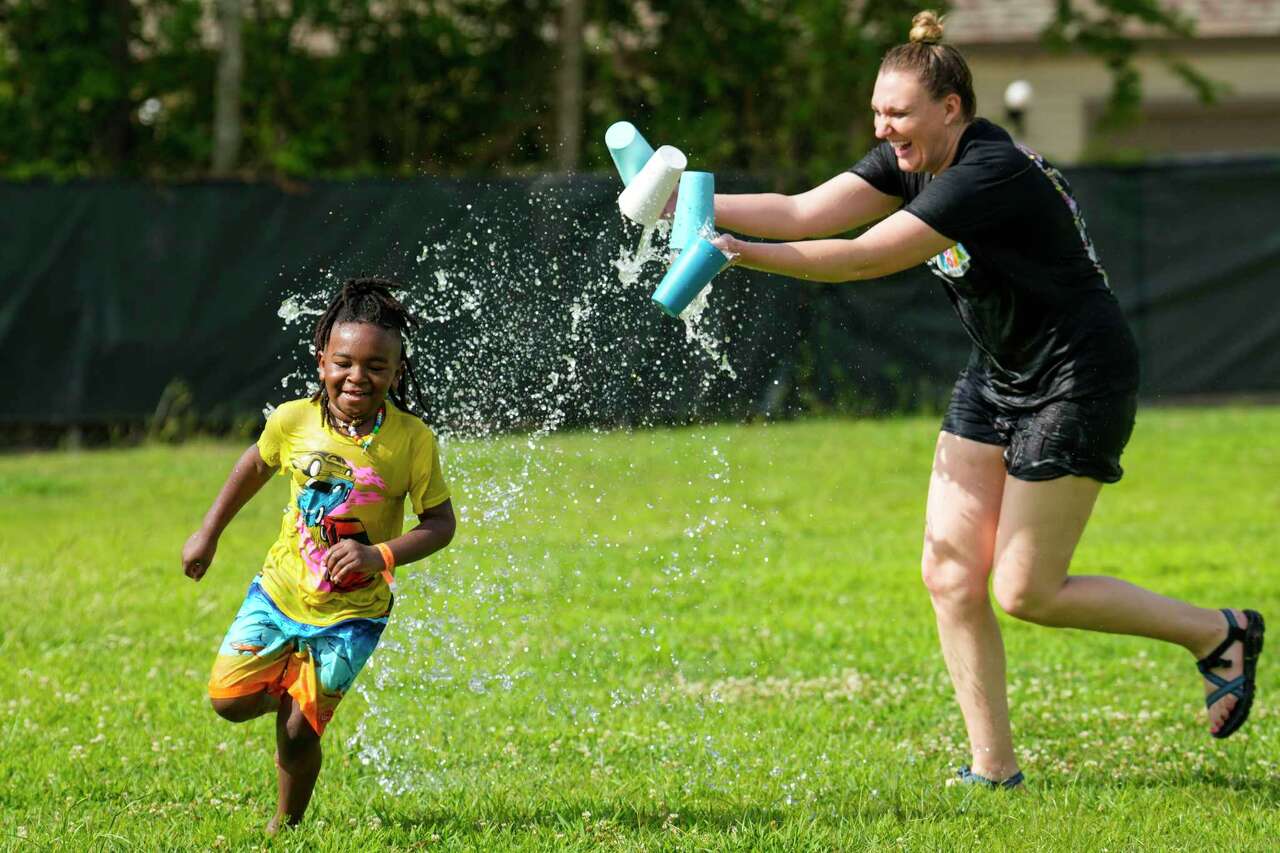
x=1060 y=184
x=326 y=480
x=953 y=263
x=1033 y=296
x=327 y=487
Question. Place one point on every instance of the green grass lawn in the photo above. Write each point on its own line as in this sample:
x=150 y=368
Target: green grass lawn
x=709 y=638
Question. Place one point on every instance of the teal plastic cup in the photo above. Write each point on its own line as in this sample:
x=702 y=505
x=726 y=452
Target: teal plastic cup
x=628 y=149
x=695 y=208
x=689 y=275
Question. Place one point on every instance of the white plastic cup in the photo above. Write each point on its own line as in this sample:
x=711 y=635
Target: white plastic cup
x=629 y=150
x=646 y=196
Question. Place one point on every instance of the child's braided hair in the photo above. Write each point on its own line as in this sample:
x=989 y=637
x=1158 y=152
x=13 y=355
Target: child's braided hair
x=370 y=300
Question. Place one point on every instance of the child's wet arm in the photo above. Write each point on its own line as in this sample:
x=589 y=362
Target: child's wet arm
x=250 y=474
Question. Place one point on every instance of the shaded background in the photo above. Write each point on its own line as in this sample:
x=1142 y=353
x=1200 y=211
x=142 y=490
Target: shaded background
x=175 y=170
x=122 y=288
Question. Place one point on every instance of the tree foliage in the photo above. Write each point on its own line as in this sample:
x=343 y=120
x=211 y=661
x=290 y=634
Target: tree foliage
x=401 y=87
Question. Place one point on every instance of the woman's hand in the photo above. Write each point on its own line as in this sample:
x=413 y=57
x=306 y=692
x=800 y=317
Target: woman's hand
x=730 y=245
x=197 y=554
x=348 y=560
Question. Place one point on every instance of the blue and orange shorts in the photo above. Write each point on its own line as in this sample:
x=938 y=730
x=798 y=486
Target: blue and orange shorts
x=315 y=664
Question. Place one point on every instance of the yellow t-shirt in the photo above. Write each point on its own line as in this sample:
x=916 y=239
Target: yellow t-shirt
x=342 y=491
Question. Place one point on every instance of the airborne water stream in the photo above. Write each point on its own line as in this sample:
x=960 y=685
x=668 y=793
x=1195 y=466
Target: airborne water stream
x=532 y=606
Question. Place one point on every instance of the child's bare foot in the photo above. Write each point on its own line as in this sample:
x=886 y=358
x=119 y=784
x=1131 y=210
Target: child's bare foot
x=278 y=820
x=280 y=823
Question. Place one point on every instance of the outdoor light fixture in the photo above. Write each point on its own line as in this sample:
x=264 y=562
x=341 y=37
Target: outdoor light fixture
x=1017 y=98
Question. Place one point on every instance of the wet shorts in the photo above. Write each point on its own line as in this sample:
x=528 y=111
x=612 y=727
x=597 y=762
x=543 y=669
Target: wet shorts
x=1080 y=437
x=266 y=650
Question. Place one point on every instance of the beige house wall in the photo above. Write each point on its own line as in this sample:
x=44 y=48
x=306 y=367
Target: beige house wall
x=1069 y=88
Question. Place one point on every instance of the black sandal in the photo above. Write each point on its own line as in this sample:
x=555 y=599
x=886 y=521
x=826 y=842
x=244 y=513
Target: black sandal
x=1242 y=686
x=968 y=777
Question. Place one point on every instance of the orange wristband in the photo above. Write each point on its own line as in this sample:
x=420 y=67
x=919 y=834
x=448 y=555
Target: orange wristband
x=388 y=561
x=388 y=558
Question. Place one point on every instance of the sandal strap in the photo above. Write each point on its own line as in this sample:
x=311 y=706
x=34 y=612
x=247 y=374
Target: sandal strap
x=1013 y=781
x=1209 y=664
x=1213 y=677
x=1215 y=660
x=1234 y=687
x=968 y=776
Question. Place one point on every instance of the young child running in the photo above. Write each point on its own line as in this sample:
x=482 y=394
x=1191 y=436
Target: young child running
x=314 y=614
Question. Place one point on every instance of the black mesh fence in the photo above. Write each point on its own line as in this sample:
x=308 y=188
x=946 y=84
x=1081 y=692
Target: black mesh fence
x=111 y=293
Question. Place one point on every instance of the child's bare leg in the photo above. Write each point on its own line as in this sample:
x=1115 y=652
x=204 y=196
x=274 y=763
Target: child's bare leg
x=243 y=708
x=297 y=764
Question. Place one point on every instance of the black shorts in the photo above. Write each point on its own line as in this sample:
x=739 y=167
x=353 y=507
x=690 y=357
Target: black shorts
x=1080 y=437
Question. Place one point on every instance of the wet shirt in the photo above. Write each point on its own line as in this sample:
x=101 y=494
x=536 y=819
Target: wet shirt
x=341 y=490
x=1023 y=274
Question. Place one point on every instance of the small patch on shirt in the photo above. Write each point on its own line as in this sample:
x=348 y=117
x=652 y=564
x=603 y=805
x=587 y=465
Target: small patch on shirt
x=953 y=263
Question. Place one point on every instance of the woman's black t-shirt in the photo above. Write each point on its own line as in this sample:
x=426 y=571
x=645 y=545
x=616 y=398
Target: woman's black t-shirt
x=1023 y=274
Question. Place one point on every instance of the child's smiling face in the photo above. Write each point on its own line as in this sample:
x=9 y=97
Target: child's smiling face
x=358 y=366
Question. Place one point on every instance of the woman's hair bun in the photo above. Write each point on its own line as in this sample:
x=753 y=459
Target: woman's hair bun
x=926 y=28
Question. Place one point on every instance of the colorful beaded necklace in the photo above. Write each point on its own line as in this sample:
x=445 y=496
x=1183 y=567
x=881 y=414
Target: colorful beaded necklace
x=349 y=427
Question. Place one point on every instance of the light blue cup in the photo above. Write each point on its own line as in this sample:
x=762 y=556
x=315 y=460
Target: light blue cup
x=695 y=208
x=691 y=272
x=628 y=148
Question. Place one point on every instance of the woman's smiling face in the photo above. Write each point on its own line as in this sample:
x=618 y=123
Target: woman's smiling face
x=358 y=366
x=920 y=129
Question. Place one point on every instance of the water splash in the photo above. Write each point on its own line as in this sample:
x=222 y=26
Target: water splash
x=296 y=307
x=697 y=332
x=508 y=369
x=631 y=265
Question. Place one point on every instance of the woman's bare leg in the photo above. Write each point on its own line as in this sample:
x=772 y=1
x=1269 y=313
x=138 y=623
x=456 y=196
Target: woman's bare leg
x=1040 y=525
x=965 y=493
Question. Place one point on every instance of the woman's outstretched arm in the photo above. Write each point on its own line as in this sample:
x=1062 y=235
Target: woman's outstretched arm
x=838 y=205
x=900 y=242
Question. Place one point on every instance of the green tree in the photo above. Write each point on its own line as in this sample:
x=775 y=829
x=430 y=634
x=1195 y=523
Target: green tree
x=1107 y=31
x=764 y=86
x=401 y=87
